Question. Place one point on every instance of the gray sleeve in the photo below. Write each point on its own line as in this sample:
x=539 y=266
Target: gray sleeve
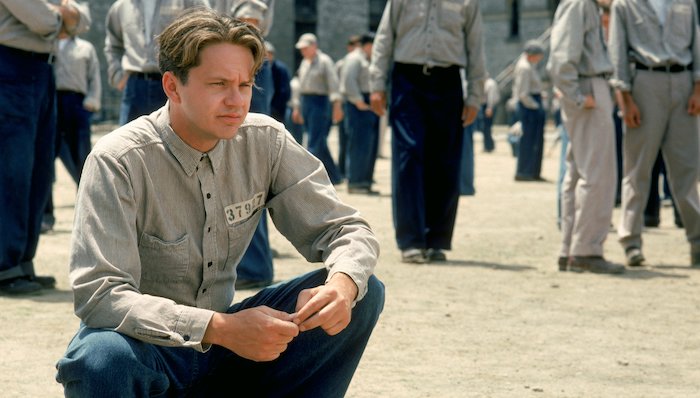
x=332 y=80
x=523 y=79
x=94 y=82
x=476 y=60
x=349 y=80
x=37 y=15
x=114 y=45
x=306 y=210
x=566 y=49
x=382 y=51
x=617 y=48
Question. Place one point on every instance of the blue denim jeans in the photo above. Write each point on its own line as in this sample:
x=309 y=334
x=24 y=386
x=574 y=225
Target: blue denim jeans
x=27 y=150
x=531 y=146
x=73 y=132
x=485 y=125
x=140 y=97
x=316 y=110
x=362 y=129
x=103 y=363
x=426 y=147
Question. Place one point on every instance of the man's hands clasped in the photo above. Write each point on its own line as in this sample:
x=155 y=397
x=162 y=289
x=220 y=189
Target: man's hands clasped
x=263 y=334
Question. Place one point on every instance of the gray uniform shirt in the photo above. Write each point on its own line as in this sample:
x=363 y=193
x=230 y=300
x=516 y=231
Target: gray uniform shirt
x=78 y=69
x=160 y=227
x=526 y=82
x=318 y=77
x=354 y=79
x=432 y=33
x=126 y=46
x=32 y=25
x=577 y=48
x=636 y=35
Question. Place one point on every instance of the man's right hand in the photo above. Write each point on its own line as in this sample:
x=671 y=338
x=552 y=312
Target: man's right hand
x=259 y=334
x=378 y=102
x=631 y=113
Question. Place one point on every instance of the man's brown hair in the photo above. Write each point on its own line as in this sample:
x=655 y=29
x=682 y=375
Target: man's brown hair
x=182 y=41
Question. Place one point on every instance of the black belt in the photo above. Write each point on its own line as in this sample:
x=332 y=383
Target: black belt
x=43 y=57
x=425 y=69
x=146 y=76
x=70 y=92
x=671 y=68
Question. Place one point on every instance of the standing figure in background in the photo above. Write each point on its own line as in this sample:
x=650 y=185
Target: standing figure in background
x=78 y=96
x=661 y=97
x=281 y=81
x=579 y=67
x=28 y=31
x=488 y=112
x=361 y=124
x=527 y=91
x=320 y=101
x=130 y=49
x=428 y=112
x=352 y=44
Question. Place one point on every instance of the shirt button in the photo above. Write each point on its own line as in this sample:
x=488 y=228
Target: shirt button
x=209 y=229
x=186 y=337
x=210 y=264
x=204 y=290
x=208 y=196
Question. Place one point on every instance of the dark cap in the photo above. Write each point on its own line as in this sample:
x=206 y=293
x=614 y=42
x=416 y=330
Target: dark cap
x=533 y=47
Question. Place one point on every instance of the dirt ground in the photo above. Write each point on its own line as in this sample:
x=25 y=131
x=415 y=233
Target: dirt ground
x=497 y=320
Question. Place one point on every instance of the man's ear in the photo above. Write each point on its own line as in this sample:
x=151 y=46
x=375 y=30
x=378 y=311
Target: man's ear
x=171 y=86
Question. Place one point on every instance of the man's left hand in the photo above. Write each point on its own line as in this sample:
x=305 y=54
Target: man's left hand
x=469 y=115
x=694 y=101
x=328 y=306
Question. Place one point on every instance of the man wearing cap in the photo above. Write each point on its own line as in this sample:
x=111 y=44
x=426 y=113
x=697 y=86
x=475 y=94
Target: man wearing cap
x=130 y=50
x=428 y=42
x=280 y=79
x=527 y=93
x=320 y=102
x=361 y=124
x=579 y=66
x=28 y=33
x=655 y=50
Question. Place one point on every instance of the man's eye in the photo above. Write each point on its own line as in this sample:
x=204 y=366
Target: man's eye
x=217 y=84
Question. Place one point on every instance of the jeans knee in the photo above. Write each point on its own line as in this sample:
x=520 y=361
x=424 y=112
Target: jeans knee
x=373 y=302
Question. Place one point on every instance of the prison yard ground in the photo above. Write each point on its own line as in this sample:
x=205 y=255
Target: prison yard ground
x=496 y=320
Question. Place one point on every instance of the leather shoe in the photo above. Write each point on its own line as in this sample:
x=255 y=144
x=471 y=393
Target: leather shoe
x=563 y=263
x=634 y=256
x=436 y=255
x=413 y=256
x=21 y=286
x=695 y=259
x=594 y=264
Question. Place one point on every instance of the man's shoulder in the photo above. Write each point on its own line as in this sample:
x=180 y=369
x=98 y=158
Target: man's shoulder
x=257 y=121
x=134 y=135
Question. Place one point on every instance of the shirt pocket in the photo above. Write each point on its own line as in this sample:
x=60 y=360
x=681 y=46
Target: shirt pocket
x=164 y=261
x=680 y=27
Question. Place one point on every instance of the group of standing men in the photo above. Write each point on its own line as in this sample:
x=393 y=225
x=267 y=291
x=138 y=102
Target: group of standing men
x=653 y=59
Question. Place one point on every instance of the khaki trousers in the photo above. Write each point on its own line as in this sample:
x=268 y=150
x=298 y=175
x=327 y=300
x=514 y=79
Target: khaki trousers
x=588 y=190
x=662 y=99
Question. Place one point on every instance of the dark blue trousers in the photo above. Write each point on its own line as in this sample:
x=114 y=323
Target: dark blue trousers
x=104 y=363
x=362 y=129
x=485 y=125
x=316 y=110
x=141 y=97
x=27 y=142
x=466 y=179
x=72 y=132
x=425 y=116
x=532 y=141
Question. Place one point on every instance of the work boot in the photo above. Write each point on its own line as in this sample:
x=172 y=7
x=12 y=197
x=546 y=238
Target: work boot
x=594 y=264
x=634 y=256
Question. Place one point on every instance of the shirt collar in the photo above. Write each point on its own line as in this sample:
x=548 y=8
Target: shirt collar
x=187 y=156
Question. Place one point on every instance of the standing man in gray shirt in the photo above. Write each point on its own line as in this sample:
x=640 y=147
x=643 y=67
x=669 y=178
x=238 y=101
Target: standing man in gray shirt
x=130 y=49
x=655 y=49
x=166 y=207
x=28 y=32
x=428 y=42
x=319 y=104
x=579 y=67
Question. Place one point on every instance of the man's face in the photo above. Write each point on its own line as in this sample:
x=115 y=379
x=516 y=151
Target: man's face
x=216 y=99
x=308 y=52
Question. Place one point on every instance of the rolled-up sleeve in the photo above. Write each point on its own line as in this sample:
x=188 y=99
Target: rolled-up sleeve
x=617 y=48
x=566 y=49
